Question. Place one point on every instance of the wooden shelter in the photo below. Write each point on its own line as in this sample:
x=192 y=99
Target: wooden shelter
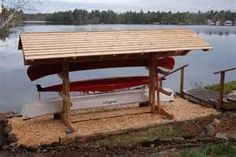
x=64 y=48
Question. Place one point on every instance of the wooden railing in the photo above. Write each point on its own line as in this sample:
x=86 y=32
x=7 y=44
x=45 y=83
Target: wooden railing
x=181 y=69
x=222 y=82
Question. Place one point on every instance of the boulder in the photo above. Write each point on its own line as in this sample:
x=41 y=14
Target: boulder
x=222 y=135
x=232 y=137
x=12 y=136
x=212 y=127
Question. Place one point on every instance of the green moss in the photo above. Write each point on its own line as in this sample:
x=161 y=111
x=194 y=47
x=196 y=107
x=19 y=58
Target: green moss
x=219 y=150
x=229 y=87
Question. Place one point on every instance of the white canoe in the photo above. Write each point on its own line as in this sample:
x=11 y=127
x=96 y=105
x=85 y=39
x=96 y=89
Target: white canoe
x=42 y=107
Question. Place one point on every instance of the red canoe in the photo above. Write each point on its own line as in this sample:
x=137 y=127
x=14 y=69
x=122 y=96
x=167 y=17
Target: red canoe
x=100 y=85
x=38 y=71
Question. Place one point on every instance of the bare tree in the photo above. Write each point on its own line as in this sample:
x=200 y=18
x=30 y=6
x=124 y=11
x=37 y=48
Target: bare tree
x=16 y=6
x=1 y=12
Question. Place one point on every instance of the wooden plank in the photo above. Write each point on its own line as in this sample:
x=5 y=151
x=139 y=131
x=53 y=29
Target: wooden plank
x=110 y=114
x=167 y=32
x=116 y=43
x=113 y=58
x=110 y=32
x=203 y=94
x=121 y=52
x=108 y=48
x=112 y=37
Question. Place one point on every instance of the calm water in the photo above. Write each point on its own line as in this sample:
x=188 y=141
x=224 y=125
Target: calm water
x=16 y=89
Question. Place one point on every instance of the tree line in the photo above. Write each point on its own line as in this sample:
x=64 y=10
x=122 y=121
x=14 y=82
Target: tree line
x=81 y=16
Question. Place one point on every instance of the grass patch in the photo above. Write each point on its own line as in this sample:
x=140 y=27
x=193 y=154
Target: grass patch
x=229 y=87
x=219 y=150
x=165 y=131
x=151 y=134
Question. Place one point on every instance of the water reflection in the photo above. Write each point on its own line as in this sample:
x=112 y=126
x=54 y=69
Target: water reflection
x=16 y=88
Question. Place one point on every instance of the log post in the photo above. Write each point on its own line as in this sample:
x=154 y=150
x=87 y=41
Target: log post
x=152 y=82
x=66 y=97
x=221 y=91
x=158 y=87
x=182 y=83
x=150 y=85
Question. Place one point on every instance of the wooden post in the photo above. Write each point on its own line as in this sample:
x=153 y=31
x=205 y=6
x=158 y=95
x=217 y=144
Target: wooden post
x=221 y=91
x=66 y=96
x=158 y=86
x=150 y=84
x=181 y=83
x=153 y=83
x=161 y=83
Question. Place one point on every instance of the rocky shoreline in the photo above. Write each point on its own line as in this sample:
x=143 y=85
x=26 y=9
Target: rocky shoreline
x=8 y=140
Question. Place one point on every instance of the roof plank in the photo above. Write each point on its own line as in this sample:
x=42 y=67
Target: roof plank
x=55 y=45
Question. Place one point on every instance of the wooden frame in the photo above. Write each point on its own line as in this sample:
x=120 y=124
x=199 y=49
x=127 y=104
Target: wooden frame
x=64 y=48
x=155 y=89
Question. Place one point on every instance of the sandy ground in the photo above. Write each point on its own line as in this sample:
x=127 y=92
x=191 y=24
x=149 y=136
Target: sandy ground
x=47 y=130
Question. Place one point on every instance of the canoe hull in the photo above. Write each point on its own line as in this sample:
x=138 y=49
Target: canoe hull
x=100 y=85
x=38 y=108
x=38 y=71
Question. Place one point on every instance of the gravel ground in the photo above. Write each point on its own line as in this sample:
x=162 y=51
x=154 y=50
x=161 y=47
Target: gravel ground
x=46 y=130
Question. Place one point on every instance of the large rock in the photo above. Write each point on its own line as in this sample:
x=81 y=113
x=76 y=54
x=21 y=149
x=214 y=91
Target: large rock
x=12 y=136
x=211 y=129
x=232 y=137
x=222 y=135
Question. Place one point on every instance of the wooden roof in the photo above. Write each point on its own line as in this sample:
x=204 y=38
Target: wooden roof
x=64 y=45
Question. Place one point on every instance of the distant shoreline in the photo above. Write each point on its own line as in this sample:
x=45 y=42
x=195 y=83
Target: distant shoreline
x=58 y=23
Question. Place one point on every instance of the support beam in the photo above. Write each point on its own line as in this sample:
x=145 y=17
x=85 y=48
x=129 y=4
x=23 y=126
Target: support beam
x=221 y=91
x=66 y=98
x=153 y=83
x=167 y=114
x=154 y=94
x=158 y=87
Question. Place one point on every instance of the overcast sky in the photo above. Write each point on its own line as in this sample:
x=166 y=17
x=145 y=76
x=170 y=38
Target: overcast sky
x=124 y=5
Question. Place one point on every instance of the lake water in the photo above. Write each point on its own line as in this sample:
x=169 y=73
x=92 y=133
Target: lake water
x=16 y=89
